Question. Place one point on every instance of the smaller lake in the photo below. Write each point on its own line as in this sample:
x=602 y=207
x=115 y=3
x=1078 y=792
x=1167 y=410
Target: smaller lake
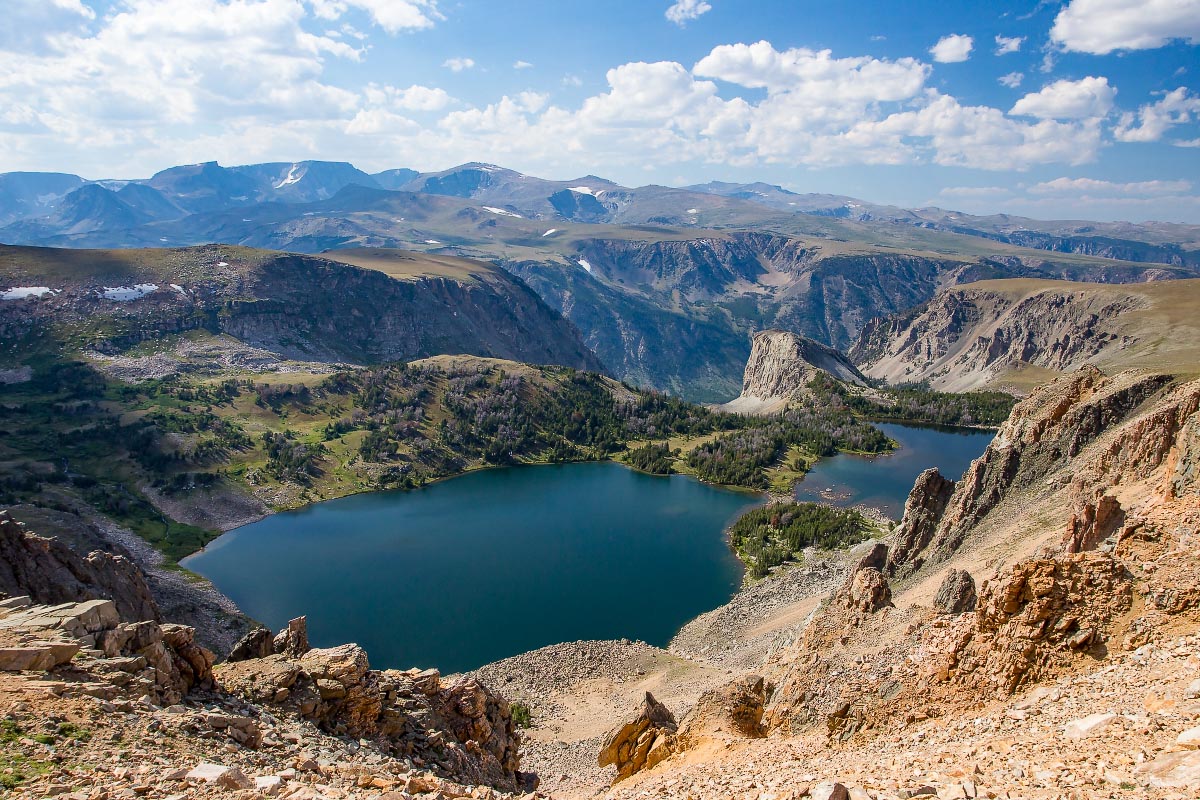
x=489 y=564
x=884 y=481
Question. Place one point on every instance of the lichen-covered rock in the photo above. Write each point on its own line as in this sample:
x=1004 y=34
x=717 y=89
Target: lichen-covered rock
x=957 y=594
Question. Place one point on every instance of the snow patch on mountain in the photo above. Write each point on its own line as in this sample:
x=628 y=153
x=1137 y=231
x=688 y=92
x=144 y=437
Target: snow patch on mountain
x=125 y=293
x=502 y=212
x=291 y=178
x=22 y=292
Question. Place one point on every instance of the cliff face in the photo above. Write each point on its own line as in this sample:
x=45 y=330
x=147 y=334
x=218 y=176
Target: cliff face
x=307 y=308
x=1045 y=433
x=678 y=314
x=50 y=572
x=985 y=334
x=301 y=307
x=781 y=366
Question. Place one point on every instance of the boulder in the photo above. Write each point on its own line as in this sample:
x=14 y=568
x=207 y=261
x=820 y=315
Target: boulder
x=642 y=742
x=1088 y=726
x=220 y=776
x=829 y=791
x=1189 y=738
x=867 y=590
x=957 y=593
x=1178 y=770
x=258 y=643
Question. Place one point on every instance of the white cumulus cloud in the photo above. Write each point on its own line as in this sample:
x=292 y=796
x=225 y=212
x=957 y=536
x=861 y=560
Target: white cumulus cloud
x=1102 y=26
x=1012 y=80
x=458 y=64
x=1081 y=99
x=952 y=49
x=391 y=15
x=684 y=10
x=1153 y=120
x=1008 y=44
x=414 y=98
x=75 y=7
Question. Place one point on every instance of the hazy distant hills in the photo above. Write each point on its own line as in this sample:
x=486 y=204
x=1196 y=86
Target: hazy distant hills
x=667 y=285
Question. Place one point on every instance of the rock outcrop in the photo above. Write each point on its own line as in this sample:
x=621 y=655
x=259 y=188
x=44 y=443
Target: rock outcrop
x=458 y=729
x=1135 y=426
x=51 y=573
x=986 y=334
x=642 y=742
x=336 y=689
x=781 y=366
x=923 y=511
x=1032 y=619
x=731 y=711
x=162 y=663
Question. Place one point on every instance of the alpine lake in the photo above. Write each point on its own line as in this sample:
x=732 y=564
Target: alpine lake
x=501 y=561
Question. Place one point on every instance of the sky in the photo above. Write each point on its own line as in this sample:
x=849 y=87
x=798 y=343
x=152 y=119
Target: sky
x=1086 y=109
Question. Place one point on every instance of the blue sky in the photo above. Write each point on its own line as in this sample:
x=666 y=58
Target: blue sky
x=1085 y=108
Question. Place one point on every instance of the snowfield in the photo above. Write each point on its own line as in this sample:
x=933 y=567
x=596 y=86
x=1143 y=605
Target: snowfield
x=547 y=233
x=583 y=262
x=21 y=292
x=125 y=293
x=291 y=178
x=502 y=212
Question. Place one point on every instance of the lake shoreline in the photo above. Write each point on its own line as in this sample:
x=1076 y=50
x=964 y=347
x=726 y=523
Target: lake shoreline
x=586 y=531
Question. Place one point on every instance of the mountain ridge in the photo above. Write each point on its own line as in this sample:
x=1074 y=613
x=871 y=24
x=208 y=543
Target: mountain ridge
x=1016 y=333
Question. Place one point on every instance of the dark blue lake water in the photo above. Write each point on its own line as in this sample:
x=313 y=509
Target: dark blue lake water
x=883 y=481
x=490 y=564
x=502 y=561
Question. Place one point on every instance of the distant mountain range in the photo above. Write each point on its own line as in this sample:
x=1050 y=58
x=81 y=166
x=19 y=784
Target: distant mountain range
x=667 y=285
